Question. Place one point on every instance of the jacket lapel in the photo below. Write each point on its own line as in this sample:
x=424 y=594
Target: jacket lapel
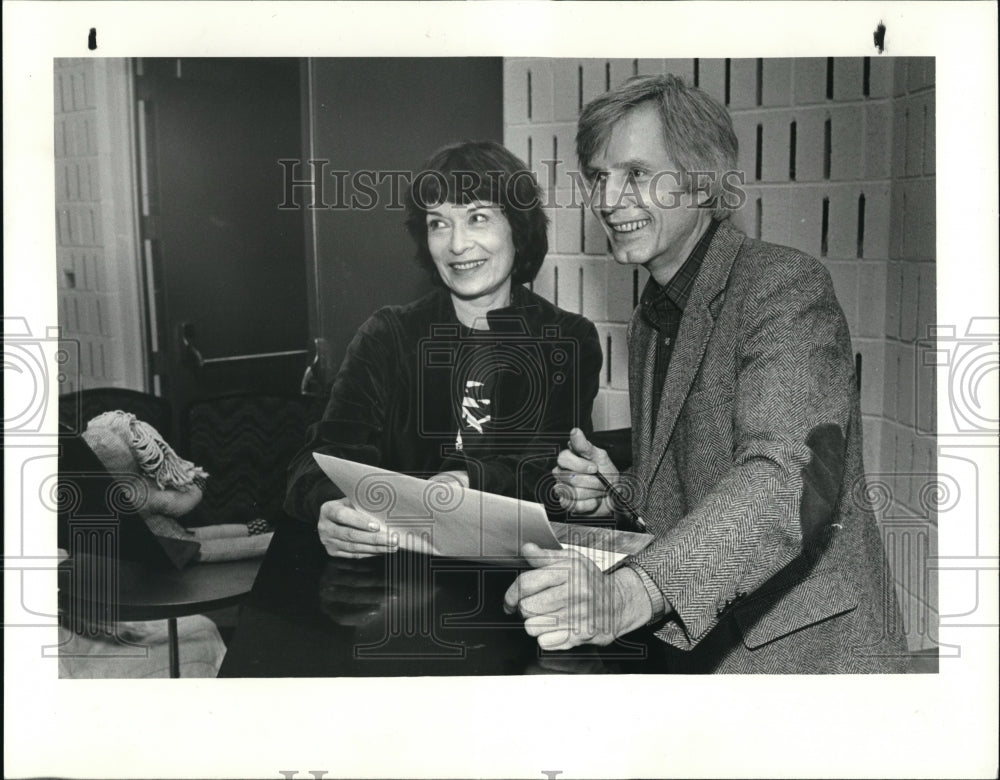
x=641 y=365
x=692 y=339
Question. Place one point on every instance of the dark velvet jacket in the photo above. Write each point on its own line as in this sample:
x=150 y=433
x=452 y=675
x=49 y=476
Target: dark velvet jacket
x=396 y=401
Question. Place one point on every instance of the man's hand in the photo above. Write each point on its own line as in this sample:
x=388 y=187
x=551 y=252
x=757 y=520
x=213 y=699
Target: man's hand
x=578 y=489
x=347 y=533
x=567 y=601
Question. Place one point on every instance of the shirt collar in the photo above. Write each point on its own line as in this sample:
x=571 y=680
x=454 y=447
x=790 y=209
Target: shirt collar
x=523 y=312
x=677 y=290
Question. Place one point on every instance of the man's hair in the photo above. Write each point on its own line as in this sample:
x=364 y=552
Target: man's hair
x=481 y=171
x=697 y=129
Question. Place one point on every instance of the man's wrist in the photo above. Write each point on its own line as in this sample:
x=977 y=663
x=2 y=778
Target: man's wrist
x=633 y=608
x=658 y=603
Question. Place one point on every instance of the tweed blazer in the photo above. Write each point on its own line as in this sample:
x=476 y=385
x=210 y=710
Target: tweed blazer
x=751 y=475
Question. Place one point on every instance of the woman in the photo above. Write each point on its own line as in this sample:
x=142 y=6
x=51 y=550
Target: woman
x=481 y=380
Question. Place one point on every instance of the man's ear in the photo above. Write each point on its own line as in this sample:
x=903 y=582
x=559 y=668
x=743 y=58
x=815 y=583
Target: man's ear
x=705 y=200
x=700 y=186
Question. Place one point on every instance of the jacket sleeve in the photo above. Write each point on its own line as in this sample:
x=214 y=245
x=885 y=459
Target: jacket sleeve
x=353 y=423
x=526 y=473
x=794 y=392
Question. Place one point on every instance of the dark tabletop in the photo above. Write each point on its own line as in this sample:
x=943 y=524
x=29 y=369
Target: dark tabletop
x=404 y=614
x=138 y=591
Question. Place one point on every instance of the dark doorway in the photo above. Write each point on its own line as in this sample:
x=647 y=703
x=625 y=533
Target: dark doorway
x=225 y=266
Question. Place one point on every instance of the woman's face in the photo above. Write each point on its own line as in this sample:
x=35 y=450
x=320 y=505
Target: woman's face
x=473 y=249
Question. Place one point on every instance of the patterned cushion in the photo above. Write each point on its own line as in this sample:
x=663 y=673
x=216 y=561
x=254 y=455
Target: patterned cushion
x=245 y=443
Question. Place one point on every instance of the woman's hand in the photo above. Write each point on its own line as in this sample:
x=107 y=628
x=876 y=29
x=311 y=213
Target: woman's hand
x=348 y=533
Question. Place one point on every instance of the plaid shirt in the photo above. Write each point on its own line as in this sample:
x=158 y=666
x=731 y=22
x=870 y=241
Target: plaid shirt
x=663 y=308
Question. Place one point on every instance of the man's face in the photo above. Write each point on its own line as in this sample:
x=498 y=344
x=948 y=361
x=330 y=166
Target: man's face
x=648 y=216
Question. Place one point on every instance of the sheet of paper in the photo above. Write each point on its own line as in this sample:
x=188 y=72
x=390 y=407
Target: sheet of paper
x=600 y=537
x=605 y=559
x=442 y=518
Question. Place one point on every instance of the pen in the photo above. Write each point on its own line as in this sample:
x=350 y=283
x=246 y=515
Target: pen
x=616 y=496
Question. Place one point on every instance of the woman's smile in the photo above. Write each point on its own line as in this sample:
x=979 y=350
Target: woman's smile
x=467 y=265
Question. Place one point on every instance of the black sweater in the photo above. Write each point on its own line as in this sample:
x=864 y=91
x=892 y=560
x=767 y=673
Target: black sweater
x=397 y=401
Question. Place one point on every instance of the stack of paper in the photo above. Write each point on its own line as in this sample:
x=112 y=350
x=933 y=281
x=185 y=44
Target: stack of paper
x=444 y=518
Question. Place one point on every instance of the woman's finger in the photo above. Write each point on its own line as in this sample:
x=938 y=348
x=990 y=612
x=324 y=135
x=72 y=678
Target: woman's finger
x=385 y=539
x=342 y=514
x=335 y=551
x=357 y=547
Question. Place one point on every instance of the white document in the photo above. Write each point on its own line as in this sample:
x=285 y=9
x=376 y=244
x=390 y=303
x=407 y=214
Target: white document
x=444 y=518
x=605 y=559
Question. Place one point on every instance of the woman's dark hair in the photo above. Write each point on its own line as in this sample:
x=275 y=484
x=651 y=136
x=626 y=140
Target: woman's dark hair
x=482 y=171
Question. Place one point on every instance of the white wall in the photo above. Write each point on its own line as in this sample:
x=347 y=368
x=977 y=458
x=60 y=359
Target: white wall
x=97 y=258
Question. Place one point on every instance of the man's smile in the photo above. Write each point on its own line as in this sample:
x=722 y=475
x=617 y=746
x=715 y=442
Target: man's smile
x=628 y=227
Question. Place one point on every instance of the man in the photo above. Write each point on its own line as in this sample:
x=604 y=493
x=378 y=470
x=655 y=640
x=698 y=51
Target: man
x=746 y=425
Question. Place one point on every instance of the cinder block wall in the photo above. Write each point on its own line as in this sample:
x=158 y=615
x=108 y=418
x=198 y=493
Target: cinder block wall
x=96 y=264
x=838 y=155
x=908 y=486
x=83 y=299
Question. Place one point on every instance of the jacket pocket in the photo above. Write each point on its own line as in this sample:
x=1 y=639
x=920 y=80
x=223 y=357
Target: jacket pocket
x=773 y=615
x=705 y=400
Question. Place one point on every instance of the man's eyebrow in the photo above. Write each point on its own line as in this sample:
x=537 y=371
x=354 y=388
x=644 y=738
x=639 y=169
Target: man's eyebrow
x=634 y=162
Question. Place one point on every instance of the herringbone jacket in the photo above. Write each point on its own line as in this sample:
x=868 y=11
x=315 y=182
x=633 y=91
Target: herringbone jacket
x=751 y=478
